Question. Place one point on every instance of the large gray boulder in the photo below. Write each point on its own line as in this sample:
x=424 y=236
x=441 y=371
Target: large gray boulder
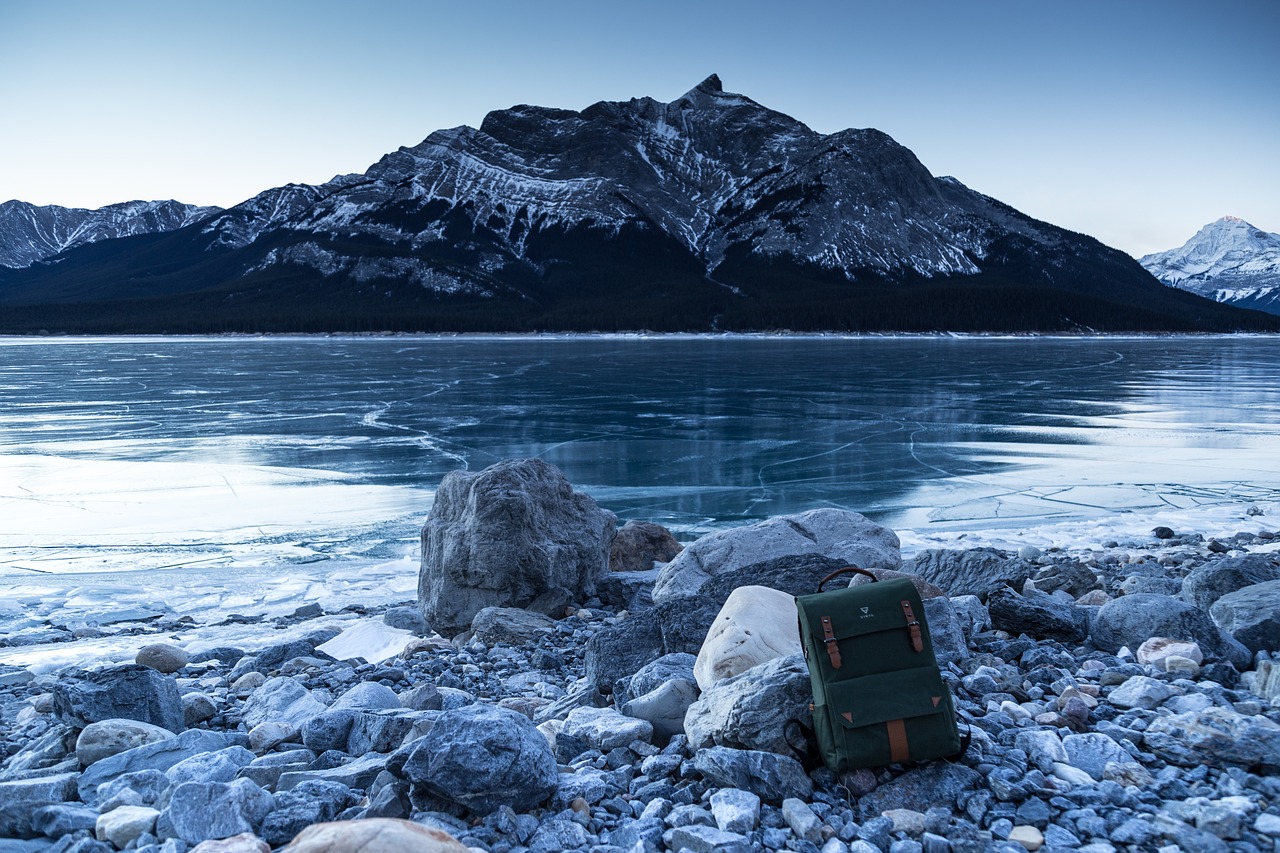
x=20 y=798
x=513 y=535
x=1251 y=615
x=483 y=757
x=771 y=777
x=977 y=571
x=154 y=756
x=751 y=709
x=839 y=534
x=1207 y=583
x=1215 y=736
x=1037 y=615
x=640 y=544
x=280 y=700
x=106 y=738
x=925 y=786
x=510 y=625
x=203 y=810
x=130 y=692
x=1131 y=620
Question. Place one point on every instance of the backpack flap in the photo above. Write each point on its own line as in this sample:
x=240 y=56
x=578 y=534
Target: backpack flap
x=864 y=629
x=893 y=717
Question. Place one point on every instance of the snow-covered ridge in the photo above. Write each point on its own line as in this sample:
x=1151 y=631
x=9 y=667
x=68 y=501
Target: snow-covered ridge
x=30 y=233
x=1228 y=260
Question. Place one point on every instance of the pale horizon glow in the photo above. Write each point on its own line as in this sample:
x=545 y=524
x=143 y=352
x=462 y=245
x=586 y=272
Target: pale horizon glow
x=1135 y=123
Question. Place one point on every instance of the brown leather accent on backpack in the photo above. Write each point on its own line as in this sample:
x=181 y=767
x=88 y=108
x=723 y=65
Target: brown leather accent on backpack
x=913 y=625
x=848 y=715
x=829 y=640
x=899 y=749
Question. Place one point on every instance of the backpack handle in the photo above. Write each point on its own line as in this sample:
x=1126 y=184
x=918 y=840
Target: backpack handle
x=846 y=570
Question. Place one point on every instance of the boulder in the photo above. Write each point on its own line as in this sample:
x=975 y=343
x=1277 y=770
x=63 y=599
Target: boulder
x=946 y=630
x=483 y=757
x=1215 y=736
x=374 y=835
x=1036 y=615
x=664 y=707
x=1072 y=577
x=20 y=798
x=162 y=657
x=1131 y=620
x=273 y=656
x=308 y=803
x=735 y=810
x=202 y=810
x=107 y=737
x=219 y=766
x=265 y=736
x=640 y=544
x=328 y=730
x=1092 y=751
x=977 y=571
x=604 y=728
x=359 y=773
x=1207 y=583
x=651 y=676
x=1140 y=691
x=280 y=700
x=160 y=755
x=1251 y=615
x=751 y=710
x=198 y=707
x=771 y=777
x=921 y=788
x=131 y=692
x=838 y=534
x=407 y=619
x=122 y=825
x=367 y=696
x=510 y=625
x=513 y=535
x=756 y=624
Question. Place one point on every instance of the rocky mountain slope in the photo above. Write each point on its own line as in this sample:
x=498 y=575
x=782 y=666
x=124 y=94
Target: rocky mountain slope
x=1228 y=261
x=29 y=233
x=709 y=212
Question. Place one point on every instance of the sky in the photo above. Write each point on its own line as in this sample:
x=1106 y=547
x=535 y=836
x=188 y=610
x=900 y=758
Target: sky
x=1134 y=121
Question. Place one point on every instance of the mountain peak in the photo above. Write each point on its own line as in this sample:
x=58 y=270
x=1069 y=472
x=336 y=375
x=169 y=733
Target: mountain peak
x=709 y=86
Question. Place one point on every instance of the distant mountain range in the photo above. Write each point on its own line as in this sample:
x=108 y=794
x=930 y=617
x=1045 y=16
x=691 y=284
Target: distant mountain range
x=1228 y=261
x=710 y=212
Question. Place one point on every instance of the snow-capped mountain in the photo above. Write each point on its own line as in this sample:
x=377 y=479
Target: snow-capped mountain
x=29 y=233
x=707 y=212
x=1229 y=261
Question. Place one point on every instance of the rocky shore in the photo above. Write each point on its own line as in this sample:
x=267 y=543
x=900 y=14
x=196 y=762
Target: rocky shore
x=1122 y=698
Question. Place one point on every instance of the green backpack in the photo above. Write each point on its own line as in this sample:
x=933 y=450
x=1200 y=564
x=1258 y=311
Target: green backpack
x=878 y=697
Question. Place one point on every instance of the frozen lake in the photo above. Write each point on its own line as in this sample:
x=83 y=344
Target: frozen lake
x=238 y=472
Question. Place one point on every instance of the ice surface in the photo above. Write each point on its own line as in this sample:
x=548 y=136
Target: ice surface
x=371 y=639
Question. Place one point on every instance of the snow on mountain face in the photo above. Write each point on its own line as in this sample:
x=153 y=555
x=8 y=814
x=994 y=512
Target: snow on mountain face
x=1229 y=261
x=711 y=170
x=29 y=233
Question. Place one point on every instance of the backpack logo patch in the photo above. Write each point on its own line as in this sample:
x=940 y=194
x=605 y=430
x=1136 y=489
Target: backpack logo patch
x=866 y=612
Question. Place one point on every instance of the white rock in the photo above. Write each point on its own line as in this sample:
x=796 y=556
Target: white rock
x=756 y=624
x=122 y=825
x=803 y=822
x=735 y=810
x=1028 y=836
x=604 y=728
x=1071 y=775
x=1157 y=650
x=280 y=700
x=1268 y=824
x=107 y=737
x=264 y=736
x=371 y=639
x=1186 y=667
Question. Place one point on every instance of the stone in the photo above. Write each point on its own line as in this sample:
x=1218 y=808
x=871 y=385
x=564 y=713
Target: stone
x=374 y=835
x=247 y=683
x=328 y=730
x=106 y=738
x=803 y=822
x=977 y=571
x=604 y=728
x=926 y=589
x=1251 y=615
x=770 y=776
x=513 y=535
x=139 y=788
x=921 y=788
x=622 y=649
x=380 y=731
x=1043 y=747
x=266 y=736
x=756 y=624
x=483 y=757
x=1214 y=736
x=130 y=692
x=245 y=842
x=359 y=773
x=1037 y=615
x=655 y=674
x=280 y=700
x=751 y=710
x=219 y=766
x=510 y=625
x=1140 y=691
x=640 y=544
x=296 y=809
x=202 y=810
x=1028 y=836
x=1206 y=584
x=837 y=534
x=42 y=752
x=421 y=697
x=367 y=696
x=1131 y=620
x=160 y=756
x=370 y=640
x=407 y=619
x=20 y=798
x=946 y=630
x=1075 y=579
x=162 y=657
x=1092 y=751
x=270 y=658
x=704 y=839
x=123 y=825
x=62 y=819
x=664 y=707
x=735 y=810
x=197 y=708
x=1157 y=650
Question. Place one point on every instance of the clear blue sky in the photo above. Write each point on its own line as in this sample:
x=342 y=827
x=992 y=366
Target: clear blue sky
x=1135 y=121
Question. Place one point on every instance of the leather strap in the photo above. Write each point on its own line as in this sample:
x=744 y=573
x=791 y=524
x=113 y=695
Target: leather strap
x=846 y=570
x=829 y=639
x=913 y=626
x=899 y=750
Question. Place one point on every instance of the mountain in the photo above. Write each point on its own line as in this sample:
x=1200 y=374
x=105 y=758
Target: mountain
x=1228 y=261
x=29 y=233
x=710 y=212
